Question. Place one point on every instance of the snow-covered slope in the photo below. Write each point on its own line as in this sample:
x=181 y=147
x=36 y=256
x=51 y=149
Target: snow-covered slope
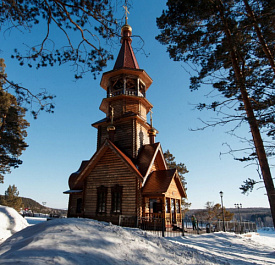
x=83 y=241
x=233 y=248
x=10 y=222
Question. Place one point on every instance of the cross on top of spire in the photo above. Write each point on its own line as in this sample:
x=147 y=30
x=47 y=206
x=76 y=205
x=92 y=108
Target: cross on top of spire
x=126 y=12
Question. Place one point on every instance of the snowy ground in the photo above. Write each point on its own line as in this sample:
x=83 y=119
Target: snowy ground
x=10 y=222
x=35 y=220
x=83 y=241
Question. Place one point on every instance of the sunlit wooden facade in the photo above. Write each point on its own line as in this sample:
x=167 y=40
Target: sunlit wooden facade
x=127 y=175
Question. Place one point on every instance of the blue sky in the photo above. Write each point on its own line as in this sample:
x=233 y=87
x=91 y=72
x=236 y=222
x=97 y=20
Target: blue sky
x=59 y=142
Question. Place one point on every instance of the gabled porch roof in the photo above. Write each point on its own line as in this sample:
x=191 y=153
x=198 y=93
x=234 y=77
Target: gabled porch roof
x=147 y=156
x=158 y=183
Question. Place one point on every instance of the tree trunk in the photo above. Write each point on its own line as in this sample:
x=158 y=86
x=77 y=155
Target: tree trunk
x=260 y=150
x=254 y=128
x=260 y=36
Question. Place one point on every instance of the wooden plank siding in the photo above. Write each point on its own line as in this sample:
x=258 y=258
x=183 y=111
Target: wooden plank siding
x=131 y=105
x=173 y=191
x=130 y=136
x=123 y=136
x=141 y=136
x=110 y=171
x=126 y=105
x=118 y=108
x=73 y=204
x=143 y=111
x=102 y=135
x=139 y=198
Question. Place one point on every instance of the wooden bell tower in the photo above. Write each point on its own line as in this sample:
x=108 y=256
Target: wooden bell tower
x=127 y=175
x=125 y=105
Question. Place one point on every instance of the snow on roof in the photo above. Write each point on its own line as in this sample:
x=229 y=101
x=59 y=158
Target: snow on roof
x=72 y=191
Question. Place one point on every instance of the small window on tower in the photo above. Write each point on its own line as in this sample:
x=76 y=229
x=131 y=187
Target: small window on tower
x=142 y=88
x=131 y=84
x=117 y=84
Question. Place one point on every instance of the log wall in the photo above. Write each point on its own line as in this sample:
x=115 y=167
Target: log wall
x=72 y=205
x=126 y=105
x=109 y=172
x=141 y=136
x=130 y=136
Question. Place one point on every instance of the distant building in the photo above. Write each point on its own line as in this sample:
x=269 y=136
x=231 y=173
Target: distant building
x=128 y=174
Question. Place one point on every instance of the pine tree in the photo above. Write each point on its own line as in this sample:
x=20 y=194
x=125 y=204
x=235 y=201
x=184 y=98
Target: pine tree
x=182 y=169
x=228 y=44
x=12 y=129
x=171 y=163
x=75 y=31
x=11 y=198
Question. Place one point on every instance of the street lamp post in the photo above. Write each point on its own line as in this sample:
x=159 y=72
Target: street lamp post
x=221 y=194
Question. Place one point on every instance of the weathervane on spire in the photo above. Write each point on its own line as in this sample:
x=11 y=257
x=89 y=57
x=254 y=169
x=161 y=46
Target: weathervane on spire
x=126 y=12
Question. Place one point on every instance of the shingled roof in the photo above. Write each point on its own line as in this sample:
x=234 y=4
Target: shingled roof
x=126 y=57
x=149 y=155
x=159 y=181
x=146 y=156
x=73 y=177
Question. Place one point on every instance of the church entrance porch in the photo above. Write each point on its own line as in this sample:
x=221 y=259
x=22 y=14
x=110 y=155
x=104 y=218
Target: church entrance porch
x=161 y=211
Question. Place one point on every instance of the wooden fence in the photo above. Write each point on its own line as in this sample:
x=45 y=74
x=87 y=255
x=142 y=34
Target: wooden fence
x=162 y=227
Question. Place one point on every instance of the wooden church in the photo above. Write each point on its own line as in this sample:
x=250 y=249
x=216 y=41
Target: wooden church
x=127 y=175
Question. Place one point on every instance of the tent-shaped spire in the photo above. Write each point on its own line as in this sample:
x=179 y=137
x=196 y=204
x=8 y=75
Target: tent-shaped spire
x=126 y=57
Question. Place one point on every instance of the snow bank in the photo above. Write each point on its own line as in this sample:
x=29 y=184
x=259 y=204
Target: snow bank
x=82 y=241
x=10 y=222
x=245 y=249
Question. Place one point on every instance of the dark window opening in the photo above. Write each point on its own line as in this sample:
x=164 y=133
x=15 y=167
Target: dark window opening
x=131 y=84
x=116 y=199
x=173 y=210
x=142 y=88
x=173 y=206
x=78 y=205
x=167 y=206
x=155 y=206
x=101 y=199
x=118 y=84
